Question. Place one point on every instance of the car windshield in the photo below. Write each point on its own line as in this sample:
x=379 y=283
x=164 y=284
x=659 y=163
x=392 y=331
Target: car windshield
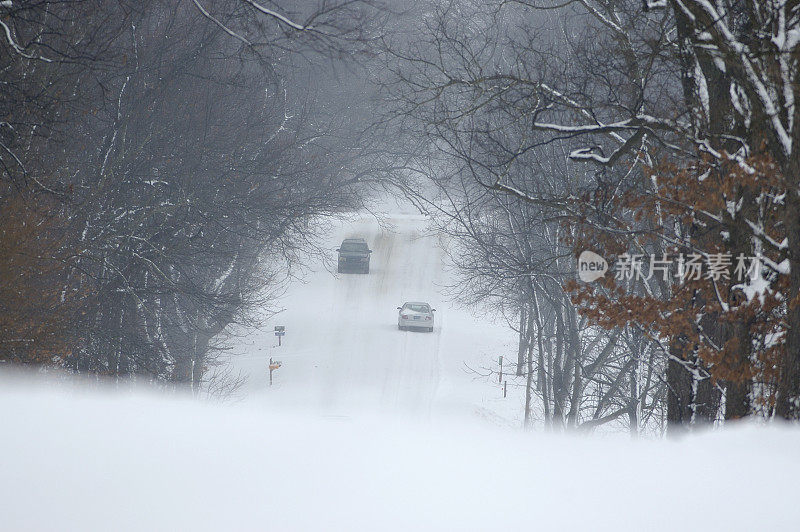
x=354 y=246
x=417 y=307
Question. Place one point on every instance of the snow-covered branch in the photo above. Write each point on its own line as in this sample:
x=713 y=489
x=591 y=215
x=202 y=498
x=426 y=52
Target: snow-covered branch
x=280 y=18
x=13 y=43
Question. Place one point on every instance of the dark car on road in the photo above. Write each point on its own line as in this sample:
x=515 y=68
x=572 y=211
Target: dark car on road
x=353 y=256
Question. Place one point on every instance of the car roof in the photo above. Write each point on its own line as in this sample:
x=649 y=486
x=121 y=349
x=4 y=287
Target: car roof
x=416 y=303
x=354 y=240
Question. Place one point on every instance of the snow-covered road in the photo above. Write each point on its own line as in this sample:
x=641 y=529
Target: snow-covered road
x=343 y=354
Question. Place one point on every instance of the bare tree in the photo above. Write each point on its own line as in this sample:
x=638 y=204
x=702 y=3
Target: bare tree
x=626 y=86
x=191 y=176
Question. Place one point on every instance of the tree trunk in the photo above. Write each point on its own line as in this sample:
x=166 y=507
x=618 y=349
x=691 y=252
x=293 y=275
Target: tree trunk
x=557 y=373
x=524 y=338
x=788 y=392
x=737 y=400
x=679 y=397
x=633 y=404
x=528 y=384
x=541 y=377
x=577 y=384
x=706 y=401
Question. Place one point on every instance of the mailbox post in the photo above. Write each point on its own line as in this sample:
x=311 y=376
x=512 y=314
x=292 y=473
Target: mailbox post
x=273 y=365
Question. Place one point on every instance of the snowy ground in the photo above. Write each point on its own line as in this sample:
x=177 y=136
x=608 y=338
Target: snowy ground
x=369 y=428
x=95 y=461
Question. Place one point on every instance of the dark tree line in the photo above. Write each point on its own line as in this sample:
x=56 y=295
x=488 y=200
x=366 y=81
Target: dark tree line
x=182 y=170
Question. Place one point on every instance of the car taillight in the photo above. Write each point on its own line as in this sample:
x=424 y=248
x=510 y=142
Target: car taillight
x=404 y=316
x=428 y=318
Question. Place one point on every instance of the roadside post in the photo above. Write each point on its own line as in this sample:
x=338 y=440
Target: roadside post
x=280 y=330
x=500 y=378
x=273 y=365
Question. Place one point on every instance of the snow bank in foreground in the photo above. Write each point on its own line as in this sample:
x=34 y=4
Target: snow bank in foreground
x=97 y=461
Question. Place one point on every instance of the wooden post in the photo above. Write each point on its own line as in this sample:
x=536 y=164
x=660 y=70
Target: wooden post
x=505 y=388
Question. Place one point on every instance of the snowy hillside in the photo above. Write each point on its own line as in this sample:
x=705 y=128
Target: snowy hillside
x=81 y=461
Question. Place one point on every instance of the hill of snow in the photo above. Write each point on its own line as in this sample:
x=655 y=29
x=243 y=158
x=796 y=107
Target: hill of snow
x=96 y=461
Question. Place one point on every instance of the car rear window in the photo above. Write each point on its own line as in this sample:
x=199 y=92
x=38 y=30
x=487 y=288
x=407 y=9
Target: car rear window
x=354 y=246
x=418 y=308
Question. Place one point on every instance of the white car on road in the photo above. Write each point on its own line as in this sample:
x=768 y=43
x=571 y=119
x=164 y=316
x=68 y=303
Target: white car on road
x=415 y=315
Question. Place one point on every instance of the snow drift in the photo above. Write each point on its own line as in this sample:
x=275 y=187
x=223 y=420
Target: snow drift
x=134 y=461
